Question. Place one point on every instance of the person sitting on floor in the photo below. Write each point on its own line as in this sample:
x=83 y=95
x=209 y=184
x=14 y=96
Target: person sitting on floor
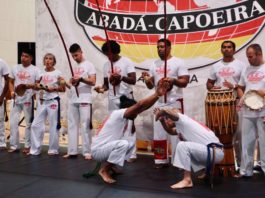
x=109 y=145
x=196 y=147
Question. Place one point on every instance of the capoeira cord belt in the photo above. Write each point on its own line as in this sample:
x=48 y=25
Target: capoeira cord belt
x=210 y=163
x=59 y=113
x=32 y=109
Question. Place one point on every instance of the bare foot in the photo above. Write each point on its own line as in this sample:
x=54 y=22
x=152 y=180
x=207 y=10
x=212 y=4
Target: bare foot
x=202 y=176
x=105 y=176
x=67 y=156
x=88 y=156
x=12 y=150
x=26 y=150
x=182 y=184
x=131 y=160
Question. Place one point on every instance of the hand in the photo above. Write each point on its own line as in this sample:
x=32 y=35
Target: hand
x=228 y=84
x=216 y=87
x=163 y=86
x=240 y=104
x=158 y=114
x=170 y=82
x=145 y=76
x=115 y=79
x=75 y=81
x=99 y=89
x=260 y=92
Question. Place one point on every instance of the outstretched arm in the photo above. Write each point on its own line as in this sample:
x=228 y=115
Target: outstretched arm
x=146 y=103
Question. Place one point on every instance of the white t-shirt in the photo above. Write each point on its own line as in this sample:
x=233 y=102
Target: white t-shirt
x=123 y=66
x=50 y=79
x=193 y=131
x=113 y=128
x=229 y=71
x=83 y=69
x=253 y=78
x=3 y=71
x=175 y=69
x=25 y=75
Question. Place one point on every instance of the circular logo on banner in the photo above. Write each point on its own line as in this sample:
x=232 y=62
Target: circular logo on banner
x=196 y=28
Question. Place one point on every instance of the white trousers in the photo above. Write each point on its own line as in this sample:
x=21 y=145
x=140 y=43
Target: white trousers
x=237 y=139
x=2 y=126
x=194 y=155
x=46 y=110
x=162 y=138
x=115 y=152
x=132 y=137
x=79 y=119
x=114 y=104
x=15 y=114
x=251 y=129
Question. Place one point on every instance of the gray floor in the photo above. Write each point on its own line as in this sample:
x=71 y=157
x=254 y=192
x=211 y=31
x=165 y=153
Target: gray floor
x=45 y=176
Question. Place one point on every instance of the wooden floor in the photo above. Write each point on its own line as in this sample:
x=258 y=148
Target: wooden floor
x=53 y=176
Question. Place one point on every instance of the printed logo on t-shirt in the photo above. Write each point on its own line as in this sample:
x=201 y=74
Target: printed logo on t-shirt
x=161 y=70
x=27 y=104
x=53 y=106
x=23 y=75
x=256 y=76
x=47 y=79
x=116 y=70
x=226 y=72
x=78 y=71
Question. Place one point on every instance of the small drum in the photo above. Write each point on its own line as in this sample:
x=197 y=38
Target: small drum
x=221 y=117
x=253 y=101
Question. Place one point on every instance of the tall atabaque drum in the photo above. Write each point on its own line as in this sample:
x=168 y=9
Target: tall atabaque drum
x=221 y=117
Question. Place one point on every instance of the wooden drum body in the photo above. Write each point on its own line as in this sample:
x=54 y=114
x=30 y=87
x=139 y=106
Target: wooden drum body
x=221 y=117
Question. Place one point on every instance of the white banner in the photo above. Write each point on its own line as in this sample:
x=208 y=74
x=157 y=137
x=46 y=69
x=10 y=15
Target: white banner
x=196 y=29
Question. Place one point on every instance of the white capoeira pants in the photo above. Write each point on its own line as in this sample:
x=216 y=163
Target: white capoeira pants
x=79 y=120
x=132 y=138
x=191 y=155
x=2 y=126
x=162 y=139
x=114 y=104
x=115 y=152
x=15 y=113
x=237 y=139
x=46 y=110
x=251 y=128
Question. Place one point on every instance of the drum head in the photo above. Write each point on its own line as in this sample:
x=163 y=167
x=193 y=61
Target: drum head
x=253 y=100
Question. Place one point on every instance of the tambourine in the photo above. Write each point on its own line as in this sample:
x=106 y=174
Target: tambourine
x=254 y=101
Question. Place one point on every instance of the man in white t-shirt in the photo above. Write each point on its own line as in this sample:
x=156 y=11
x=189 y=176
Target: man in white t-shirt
x=178 y=74
x=79 y=107
x=28 y=74
x=109 y=145
x=253 y=127
x=118 y=82
x=3 y=90
x=195 y=150
x=225 y=74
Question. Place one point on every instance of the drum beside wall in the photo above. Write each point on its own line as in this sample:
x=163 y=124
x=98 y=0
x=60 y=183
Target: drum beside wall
x=221 y=117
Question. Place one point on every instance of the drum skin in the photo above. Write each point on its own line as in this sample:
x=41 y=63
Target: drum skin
x=221 y=117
